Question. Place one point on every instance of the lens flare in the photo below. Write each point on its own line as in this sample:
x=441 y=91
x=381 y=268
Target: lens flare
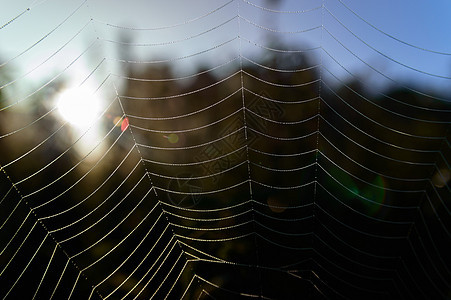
x=124 y=124
x=172 y=138
x=376 y=194
x=351 y=189
x=441 y=178
x=275 y=204
x=370 y=197
x=117 y=121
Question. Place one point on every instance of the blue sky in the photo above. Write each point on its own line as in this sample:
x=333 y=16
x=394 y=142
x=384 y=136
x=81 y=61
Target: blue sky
x=422 y=23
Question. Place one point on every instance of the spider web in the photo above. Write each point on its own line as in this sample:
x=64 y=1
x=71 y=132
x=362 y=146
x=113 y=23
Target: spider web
x=238 y=153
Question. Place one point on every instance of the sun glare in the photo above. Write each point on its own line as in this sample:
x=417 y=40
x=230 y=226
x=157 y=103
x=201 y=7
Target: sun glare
x=78 y=106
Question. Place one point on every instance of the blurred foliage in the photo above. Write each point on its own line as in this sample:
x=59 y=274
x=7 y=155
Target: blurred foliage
x=359 y=139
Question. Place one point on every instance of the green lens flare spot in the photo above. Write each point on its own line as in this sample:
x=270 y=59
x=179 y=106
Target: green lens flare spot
x=172 y=138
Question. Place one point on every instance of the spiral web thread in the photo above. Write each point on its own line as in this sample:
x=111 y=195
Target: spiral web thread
x=272 y=170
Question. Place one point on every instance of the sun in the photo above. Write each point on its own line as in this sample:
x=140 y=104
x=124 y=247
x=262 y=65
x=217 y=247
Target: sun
x=79 y=106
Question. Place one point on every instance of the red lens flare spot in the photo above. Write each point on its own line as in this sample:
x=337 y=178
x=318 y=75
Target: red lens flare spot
x=125 y=124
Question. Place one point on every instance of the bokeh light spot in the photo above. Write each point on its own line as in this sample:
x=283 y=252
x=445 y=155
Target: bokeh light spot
x=124 y=124
x=441 y=178
x=172 y=138
x=376 y=194
x=275 y=204
x=117 y=121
